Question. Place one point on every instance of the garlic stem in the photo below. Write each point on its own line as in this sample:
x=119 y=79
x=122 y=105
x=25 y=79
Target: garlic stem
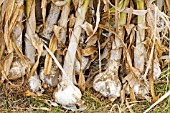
x=74 y=40
x=139 y=51
x=51 y=21
x=30 y=30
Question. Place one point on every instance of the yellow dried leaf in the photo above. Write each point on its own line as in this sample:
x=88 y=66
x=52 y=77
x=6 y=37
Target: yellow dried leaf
x=7 y=62
x=48 y=59
x=81 y=81
x=2 y=43
x=43 y=6
x=28 y=6
x=92 y=41
x=29 y=93
x=59 y=3
x=88 y=51
x=97 y=20
x=72 y=20
x=129 y=28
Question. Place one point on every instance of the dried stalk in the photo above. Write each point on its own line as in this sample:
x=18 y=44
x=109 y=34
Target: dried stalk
x=107 y=83
x=51 y=72
x=140 y=50
x=64 y=20
x=67 y=93
x=51 y=21
x=30 y=30
x=74 y=40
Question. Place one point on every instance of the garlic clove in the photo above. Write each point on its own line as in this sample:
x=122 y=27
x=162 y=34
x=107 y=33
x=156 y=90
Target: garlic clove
x=107 y=84
x=67 y=94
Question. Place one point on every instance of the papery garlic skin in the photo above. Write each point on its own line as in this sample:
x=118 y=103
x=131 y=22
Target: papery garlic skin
x=156 y=69
x=35 y=84
x=77 y=64
x=67 y=94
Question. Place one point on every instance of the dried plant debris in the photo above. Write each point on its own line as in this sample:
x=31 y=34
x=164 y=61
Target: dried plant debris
x=64 y=48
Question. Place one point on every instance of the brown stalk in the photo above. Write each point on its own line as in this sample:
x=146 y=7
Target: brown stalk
x=48 y=59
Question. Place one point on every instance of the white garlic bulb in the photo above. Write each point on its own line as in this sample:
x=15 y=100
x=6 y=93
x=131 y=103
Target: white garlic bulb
x=17 y=70
x=67 y=94
x=138 y=89
x=35 y=84
x=107 y=84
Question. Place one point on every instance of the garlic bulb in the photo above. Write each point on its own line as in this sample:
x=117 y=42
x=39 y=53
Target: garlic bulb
x=138 y=89
x=107 y=84
x=51 y=79
x=35 y=84
x=17 y=70
x=67 y=94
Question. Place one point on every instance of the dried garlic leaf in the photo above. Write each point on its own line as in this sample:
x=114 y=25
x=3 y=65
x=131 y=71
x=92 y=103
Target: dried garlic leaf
x=88 y=28
x=97 y=20
x=20 y=54
x=1 y=1
x=2 y=43
x=129 y=28
x=88 y=51
x=48 y=59
x=59 y=3
x=92 y=41
x=7 y=63
x=29 y=93
x=28 y=7
x=14 y=20
x=81 y=81
x=44 y=6
x=77 y=3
